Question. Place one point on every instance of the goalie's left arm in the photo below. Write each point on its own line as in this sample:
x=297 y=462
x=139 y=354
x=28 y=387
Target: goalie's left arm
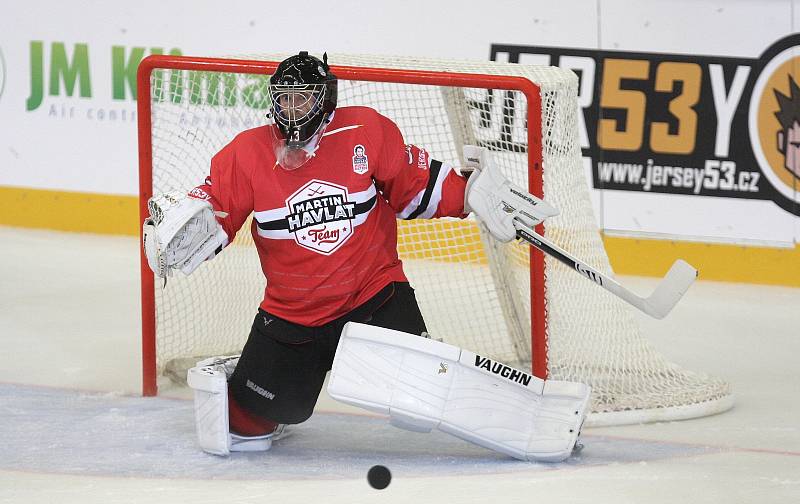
x=497 y=201
x=508 y=211
x=414 y=184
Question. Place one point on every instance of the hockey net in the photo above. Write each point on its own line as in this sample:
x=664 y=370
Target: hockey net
x=499 y=300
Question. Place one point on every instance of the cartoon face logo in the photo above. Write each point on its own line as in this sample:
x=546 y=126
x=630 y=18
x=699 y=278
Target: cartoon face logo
x=360 y=161
x=774 y=122
x=788 y=137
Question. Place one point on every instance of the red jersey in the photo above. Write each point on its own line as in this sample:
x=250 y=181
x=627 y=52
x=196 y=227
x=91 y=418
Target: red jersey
x=326 y=233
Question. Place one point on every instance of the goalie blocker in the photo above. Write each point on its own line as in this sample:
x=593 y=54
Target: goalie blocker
x=424 y=384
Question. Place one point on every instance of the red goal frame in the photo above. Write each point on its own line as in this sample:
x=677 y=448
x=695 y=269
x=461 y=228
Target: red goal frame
x=535 y=181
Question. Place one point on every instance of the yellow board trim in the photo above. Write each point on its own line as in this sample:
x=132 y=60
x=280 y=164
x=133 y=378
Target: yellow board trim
x=69 y=211
x=119 y=215
x=714 y=261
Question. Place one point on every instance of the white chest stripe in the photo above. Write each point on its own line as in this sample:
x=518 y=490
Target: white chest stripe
x=339 y=130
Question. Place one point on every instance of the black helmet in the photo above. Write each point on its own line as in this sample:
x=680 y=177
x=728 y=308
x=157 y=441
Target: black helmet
x=303 y=95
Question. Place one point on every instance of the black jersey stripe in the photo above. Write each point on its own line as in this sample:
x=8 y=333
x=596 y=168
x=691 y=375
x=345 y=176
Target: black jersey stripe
x=366 y=206
x=433 y=175
x=274 y=225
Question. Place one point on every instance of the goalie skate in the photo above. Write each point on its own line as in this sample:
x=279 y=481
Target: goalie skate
x=209 y=381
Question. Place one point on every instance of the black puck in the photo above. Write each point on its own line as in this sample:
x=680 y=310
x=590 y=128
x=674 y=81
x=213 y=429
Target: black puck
x=379 y=477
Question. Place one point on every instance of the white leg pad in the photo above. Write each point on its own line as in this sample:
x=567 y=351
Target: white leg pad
x=209 y=382
x=424 y=384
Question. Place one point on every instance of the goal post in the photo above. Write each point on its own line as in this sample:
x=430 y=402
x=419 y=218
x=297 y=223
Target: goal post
x=507 y=301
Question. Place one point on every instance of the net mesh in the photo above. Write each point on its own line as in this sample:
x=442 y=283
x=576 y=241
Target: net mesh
x=473 y=291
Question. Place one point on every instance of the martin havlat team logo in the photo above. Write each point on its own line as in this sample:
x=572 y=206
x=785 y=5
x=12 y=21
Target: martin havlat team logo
x=321 y=216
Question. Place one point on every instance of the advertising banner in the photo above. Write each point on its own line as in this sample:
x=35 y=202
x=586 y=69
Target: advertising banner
x=679 y=143
x=704 y=127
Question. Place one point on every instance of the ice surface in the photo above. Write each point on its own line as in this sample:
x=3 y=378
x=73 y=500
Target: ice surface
x=62 y=431
x=73 y=429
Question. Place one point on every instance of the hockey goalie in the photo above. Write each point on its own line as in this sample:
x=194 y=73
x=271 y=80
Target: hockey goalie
x=326 y=186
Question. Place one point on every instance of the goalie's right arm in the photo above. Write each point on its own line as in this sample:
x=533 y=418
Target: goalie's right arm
x=180 y=233
x=184 y=230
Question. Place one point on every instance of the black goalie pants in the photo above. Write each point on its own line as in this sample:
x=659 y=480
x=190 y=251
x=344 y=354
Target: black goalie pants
x=283 y=365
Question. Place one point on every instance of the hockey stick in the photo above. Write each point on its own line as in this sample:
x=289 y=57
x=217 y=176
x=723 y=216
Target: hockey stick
x=673 y=286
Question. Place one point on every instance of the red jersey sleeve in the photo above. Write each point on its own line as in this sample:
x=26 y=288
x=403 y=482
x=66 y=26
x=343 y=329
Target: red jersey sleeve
x=414 y=184
x=228 y=190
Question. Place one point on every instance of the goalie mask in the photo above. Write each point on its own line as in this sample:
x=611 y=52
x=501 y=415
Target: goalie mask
x=303 y=98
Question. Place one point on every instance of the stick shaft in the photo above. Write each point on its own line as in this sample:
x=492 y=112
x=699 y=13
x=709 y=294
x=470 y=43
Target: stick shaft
x=658 y=305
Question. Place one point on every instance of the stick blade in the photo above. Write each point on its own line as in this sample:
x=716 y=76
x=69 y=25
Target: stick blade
x=671 y=289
